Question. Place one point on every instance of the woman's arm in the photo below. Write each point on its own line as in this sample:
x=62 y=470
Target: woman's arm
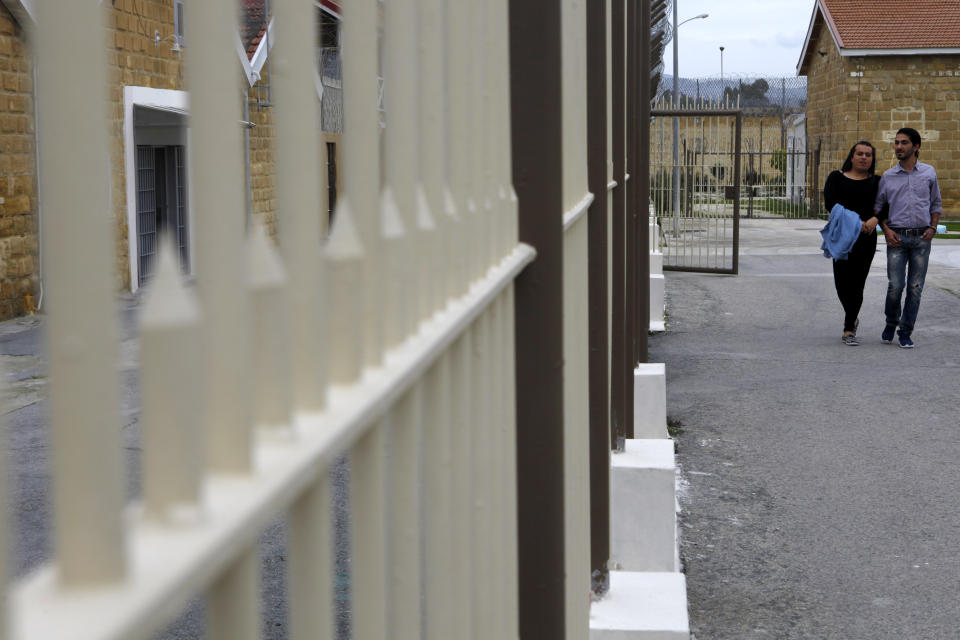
x=831 y=190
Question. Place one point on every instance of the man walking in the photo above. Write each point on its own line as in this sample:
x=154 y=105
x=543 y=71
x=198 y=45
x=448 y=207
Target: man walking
x=911 y=190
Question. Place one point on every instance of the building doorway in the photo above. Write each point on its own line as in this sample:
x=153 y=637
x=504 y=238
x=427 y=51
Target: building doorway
x=161 y=205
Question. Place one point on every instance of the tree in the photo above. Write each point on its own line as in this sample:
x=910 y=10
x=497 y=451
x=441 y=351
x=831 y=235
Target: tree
x=751 y=95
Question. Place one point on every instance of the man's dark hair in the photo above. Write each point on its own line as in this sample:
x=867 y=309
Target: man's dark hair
x=914 y=136
x=848 y=163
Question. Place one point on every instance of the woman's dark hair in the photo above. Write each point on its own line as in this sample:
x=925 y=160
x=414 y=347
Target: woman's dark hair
x=848 y=163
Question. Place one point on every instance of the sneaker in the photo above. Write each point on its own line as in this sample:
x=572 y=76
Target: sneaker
x=905 y=342
x=851 y=340
x=887 y=335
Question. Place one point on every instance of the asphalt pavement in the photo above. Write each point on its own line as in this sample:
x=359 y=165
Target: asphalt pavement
x=818 y=481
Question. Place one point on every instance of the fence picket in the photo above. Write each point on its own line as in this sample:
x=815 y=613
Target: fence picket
x=301 y=197
x=401 y=142
x=344 y=258
x=218 y=201
x=368 y=547
x=171 y=391
x=462 y=481
x=437 y=480
x=361 y=165
x=233 y=601
x=311 y=564
x=482 y=525
x=273 y=399
x=404 y=549
x=88 y=480
x=458 y=72
x=509 y=376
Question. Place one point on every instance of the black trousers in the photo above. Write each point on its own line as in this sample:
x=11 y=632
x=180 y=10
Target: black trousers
x=850 y=276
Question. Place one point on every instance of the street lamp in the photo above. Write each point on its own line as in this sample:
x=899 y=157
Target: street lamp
x=676 y=121
x=721 y=68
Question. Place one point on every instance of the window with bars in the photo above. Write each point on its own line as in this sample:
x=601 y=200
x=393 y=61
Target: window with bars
x=178 y=22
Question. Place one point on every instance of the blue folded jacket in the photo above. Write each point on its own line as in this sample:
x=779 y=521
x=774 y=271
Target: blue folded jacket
x=841 y=233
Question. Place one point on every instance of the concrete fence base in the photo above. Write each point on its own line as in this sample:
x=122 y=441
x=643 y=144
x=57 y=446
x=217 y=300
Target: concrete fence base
x=642 y=606
x=650 y=400
x=657 y=293
x=644 y=507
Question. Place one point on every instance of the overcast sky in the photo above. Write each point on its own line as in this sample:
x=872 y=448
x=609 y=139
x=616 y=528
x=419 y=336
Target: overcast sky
x=760 y=37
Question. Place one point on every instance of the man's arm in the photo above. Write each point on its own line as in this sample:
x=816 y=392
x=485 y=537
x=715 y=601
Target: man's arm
x=936 y=209
x=893 y=240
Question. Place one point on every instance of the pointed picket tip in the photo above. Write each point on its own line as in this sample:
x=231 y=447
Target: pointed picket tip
x=344 y=242
x=264 y=265
x=391 y=222
x=426 y=221
x=450 y=204
x=167 y=300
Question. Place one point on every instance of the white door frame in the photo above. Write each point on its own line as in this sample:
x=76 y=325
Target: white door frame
x=156 y=98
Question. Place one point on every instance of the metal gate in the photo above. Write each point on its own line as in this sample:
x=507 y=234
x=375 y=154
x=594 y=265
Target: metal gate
x=695 y=187
x=161 y=204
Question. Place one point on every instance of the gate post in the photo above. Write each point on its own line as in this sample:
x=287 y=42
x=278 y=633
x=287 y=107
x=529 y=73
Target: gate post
x=642 y=249
x=536 y=112
x=597 y=297
x=618 y=385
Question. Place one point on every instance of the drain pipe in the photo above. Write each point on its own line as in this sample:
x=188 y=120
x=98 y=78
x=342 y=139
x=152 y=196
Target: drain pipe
x=36 y=182
x=246 y=153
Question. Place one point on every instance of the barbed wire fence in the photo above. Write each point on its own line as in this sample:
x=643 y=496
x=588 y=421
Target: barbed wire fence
x=756 y=95
x=780 y=170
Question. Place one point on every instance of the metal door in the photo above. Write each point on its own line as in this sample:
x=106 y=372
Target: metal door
x=695 y=188
x=146 y=212
x=161 y=205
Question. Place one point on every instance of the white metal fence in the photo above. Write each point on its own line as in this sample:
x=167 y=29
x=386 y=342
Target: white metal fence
x=390 y=339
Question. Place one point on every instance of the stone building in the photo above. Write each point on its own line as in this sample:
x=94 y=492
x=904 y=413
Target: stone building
x=19 y=245
x=873 y=70
x=148 y=109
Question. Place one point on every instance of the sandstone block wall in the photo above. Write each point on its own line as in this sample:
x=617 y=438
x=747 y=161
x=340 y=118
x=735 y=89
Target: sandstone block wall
x=19 y=248
x=869 y=98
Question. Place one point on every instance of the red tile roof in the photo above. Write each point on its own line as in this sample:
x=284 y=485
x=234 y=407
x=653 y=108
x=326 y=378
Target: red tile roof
x=894 y=24
x=253 y=27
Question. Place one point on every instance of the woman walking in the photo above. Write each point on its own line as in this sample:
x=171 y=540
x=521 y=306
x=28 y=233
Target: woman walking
x=854 y=187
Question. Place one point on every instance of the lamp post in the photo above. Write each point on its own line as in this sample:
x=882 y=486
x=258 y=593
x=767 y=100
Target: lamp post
x=676 y=120
x=721 y=69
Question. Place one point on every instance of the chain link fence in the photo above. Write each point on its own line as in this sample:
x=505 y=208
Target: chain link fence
x=779 y=170
x=756 y=95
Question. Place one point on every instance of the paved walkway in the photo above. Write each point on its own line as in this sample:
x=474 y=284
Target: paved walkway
x=819 y=485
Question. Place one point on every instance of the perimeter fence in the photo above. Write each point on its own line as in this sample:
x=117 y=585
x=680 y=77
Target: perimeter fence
x=780 y=170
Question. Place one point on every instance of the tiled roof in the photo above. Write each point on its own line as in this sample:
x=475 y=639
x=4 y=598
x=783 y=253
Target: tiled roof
x=894 y=24
x=253 y=27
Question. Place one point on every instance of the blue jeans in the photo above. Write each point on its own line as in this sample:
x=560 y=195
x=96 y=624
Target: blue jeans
x=906 y=267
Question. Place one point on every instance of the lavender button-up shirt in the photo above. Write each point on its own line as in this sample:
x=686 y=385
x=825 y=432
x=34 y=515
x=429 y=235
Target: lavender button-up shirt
x=913 y=196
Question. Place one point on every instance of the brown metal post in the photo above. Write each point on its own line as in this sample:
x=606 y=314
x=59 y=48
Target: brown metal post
x=535 y=87
x=736 y=201
x=630 y=218
x=618 y=344
x=597 y=297
x=816 y=181
x=643 y=184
